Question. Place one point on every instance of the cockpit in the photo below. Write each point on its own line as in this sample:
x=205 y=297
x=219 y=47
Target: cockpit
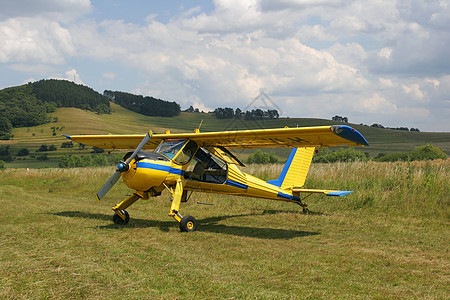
x=204 y=165
x=171 y=150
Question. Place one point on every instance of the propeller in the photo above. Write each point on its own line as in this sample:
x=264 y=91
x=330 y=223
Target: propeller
x=122 y=167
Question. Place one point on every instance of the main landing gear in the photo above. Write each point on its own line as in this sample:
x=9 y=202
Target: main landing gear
x=187 y=223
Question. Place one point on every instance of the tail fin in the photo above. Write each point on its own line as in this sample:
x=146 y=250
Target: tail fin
x=296 y=168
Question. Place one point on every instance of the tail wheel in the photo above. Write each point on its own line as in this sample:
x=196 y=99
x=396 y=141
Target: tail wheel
x=119 y=221
x=188 y=224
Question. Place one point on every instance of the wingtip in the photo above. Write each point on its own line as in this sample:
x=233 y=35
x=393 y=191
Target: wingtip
x=350 y=133
x=66 y=136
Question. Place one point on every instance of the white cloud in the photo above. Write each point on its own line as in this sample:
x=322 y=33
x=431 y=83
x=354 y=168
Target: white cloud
x=70 y=75
x=34 y=40
x=378 y=105
x=414 y=90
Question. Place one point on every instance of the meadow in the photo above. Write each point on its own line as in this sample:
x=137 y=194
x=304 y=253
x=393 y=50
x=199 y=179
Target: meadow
x=387 y=240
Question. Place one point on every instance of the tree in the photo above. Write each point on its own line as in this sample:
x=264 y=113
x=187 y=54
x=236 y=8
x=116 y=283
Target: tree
x=5 y=155
x=64 y=161
x=5 y=126
x=23 y=152
x=340 y=119
x=148 y=106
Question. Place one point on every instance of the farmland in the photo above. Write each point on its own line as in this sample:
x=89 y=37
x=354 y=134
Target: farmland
x=387 y=240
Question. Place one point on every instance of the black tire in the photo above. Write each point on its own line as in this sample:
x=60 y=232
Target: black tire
x=188 y=224
x=119 y=221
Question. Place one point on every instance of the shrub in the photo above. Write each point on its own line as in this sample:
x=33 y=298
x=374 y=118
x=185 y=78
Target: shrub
x=260 y=157
x=343 y=155
x=2 y=165
x=23 y=152
x=427 y=152
x=42 y=157
x=78 y=161
x=100 y=160
x=67 y=145
x=5 y=155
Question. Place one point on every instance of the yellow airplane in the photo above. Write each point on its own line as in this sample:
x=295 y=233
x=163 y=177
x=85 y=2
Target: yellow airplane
x=201 y=162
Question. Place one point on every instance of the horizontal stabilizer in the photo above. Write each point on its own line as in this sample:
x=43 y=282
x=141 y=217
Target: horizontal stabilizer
x=326 y=192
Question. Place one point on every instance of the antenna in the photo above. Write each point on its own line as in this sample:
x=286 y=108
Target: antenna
x=198 y=129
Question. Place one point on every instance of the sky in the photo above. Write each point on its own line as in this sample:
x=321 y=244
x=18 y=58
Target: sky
x=372 y=61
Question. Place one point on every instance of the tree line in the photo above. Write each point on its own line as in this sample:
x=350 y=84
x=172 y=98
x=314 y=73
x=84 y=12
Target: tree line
x=254 y=114
x=148 y=106
x=375 y=125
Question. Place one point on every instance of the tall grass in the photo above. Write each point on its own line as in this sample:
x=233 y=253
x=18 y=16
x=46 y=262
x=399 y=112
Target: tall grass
x=420 y=188
x=388 y=240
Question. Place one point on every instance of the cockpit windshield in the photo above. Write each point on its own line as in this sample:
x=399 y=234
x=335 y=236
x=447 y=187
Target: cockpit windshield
x=170 y=148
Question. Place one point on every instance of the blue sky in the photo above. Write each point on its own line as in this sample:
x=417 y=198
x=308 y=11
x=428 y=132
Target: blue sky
x=373 y=61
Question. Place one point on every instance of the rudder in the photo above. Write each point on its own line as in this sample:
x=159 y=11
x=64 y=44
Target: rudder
x=296 y=168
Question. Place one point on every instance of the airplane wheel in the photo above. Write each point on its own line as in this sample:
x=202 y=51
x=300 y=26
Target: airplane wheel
x=188 y=224
x=119 y=221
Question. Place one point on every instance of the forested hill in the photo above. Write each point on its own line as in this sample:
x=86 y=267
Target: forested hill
x=68 y=94
x=29 y=104
x=148 y=106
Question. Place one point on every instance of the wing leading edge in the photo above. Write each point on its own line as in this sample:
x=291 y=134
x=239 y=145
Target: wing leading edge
x=319 y=136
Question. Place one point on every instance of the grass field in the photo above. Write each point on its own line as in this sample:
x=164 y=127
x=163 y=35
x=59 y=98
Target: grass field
x=388 y=240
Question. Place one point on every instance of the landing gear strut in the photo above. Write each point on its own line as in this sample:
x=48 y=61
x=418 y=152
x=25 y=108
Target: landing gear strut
x=187 y=223
x=121 y=216
x=305 y=207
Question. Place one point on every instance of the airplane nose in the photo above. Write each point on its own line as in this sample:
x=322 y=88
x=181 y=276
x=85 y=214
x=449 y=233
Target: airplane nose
x=144 y=174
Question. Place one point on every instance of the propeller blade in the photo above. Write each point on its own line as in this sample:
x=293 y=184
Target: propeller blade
x=108 y=185
x=113 y=179
x=140 y=146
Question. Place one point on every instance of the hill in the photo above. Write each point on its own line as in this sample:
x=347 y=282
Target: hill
x=30 y=104
x=122 y=121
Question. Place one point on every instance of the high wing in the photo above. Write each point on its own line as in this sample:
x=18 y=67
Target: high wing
x=319 y=136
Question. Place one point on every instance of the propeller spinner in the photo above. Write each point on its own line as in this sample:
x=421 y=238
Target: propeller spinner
x=122 y=166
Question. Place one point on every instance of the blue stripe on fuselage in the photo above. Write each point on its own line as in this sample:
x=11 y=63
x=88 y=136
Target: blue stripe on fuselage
x=236 y=184
x=158 y=167
x=287 y=196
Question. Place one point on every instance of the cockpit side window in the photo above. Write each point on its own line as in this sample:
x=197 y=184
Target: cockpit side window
x=186 y=154
x=170 y=148
x=207 y=167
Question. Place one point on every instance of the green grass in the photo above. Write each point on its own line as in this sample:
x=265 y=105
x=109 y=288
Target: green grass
x=388 y=240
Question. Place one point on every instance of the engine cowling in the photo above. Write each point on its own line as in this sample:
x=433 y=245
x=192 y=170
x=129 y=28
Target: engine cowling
x=144 y=174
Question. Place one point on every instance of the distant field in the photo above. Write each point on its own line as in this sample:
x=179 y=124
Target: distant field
x=388 y=240
x=122 y=121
